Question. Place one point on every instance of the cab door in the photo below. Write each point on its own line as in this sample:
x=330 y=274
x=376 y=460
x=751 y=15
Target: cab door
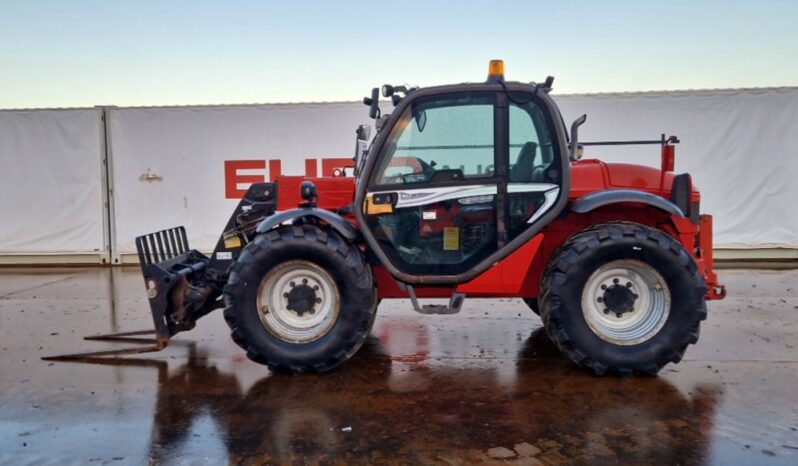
x=431 y=202
x=448 y=189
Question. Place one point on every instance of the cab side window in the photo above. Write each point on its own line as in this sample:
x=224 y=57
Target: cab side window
x=534 y=170
x=531 y=147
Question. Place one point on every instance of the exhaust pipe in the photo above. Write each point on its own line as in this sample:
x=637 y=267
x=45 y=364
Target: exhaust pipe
x=575 y=136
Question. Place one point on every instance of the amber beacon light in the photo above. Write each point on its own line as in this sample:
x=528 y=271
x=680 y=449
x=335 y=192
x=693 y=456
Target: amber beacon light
x=496 y=70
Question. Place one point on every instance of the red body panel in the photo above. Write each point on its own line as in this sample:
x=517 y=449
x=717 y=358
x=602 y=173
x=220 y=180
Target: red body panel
x=504 y=279
x=514 y=276
x=334 y=192
x=594 y=175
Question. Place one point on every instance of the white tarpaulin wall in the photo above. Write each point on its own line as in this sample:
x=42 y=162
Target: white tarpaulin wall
x=52 y=186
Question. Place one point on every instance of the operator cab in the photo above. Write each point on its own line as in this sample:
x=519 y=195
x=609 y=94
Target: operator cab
x=460 y=176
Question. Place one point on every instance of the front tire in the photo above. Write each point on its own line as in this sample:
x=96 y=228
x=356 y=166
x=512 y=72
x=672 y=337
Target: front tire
x=623 y=298
x=300 y=299
x=532 y=303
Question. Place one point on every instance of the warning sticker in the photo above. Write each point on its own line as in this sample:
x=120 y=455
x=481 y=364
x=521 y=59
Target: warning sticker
x=451 y=239
x=232 y=242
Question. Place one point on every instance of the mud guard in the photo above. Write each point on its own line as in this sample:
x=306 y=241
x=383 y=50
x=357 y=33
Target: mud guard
x=337 y=222
x=598 y=199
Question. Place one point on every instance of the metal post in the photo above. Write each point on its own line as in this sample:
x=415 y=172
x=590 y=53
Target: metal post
x=109 y=219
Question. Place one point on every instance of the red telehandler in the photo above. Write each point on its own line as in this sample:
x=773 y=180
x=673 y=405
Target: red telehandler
x=466 y=190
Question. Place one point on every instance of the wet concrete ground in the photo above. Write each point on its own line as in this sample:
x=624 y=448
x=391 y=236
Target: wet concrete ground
x=482 y=387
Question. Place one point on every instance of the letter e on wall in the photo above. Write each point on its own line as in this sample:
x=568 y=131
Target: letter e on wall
x=232 y=178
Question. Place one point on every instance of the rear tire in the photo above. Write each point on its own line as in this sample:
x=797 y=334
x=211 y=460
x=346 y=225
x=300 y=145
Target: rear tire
x=300 y=299
x=622 y=298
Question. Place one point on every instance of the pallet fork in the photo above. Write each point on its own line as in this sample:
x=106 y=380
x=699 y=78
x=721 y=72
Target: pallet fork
x=177 y=289
x=147 y=345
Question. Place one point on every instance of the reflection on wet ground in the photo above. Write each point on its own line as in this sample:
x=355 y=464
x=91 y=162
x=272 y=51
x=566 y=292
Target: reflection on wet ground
x=483 y=387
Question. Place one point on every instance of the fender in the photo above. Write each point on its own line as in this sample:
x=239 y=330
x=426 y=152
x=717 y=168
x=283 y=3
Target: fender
x=338 y=223
x=598 y=199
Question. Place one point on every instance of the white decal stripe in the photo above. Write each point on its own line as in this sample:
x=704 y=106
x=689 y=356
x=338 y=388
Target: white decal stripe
x=421 y=197
x=551 y=197
x=530 y=187
x=415 y=201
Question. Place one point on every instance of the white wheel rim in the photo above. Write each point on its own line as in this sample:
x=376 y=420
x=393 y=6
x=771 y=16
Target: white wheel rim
x=315 y=311
x=626 y=302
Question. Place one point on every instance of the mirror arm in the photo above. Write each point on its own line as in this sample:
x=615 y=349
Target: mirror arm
x=374 y=103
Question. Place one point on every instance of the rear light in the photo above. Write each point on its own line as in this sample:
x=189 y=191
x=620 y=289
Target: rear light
x=668 y=158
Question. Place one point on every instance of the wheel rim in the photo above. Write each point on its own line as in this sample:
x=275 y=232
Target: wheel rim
x=298 y=302
x=626 y=302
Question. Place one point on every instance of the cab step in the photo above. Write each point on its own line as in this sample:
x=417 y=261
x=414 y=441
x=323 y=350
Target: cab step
x=454 y=306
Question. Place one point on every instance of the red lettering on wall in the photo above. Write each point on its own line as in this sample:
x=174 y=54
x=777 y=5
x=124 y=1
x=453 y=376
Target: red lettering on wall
x=275 y=169
x=232 y=178
x=311 y=167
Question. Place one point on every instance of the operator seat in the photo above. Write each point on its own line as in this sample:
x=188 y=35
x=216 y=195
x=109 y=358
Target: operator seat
x=524 y=166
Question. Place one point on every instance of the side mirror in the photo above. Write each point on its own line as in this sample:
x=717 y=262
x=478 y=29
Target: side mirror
x=421 y=120
x=548 y=84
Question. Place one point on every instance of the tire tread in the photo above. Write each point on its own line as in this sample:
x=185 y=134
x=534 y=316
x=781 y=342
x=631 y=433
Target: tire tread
x=569 y=255
x=335 y=245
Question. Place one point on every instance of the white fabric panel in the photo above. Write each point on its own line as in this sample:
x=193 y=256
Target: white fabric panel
x=738 y=146
x=187 y=146
x=51 y=201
